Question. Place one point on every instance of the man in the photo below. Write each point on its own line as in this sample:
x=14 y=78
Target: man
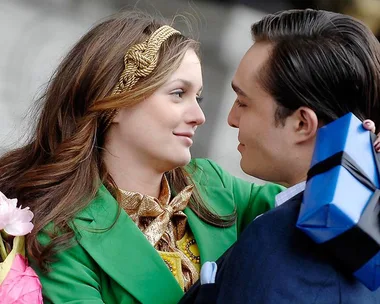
x=305 y=69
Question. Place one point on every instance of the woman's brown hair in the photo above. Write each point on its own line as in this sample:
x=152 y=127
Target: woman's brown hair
x=59 y=170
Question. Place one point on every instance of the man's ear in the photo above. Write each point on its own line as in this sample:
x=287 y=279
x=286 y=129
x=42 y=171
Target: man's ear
x=304 y=124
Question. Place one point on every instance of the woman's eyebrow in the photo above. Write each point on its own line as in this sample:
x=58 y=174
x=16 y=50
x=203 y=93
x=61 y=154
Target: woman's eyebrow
x=186 y=83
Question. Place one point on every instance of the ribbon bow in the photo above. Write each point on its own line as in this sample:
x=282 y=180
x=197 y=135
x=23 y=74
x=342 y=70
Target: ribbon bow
x=163 y=213
x=162 y=209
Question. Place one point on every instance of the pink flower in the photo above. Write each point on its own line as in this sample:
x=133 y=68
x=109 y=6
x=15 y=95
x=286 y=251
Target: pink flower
x=15 y=221
x=21 y=285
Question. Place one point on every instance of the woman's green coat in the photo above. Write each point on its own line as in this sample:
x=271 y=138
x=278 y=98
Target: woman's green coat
x=120 y=266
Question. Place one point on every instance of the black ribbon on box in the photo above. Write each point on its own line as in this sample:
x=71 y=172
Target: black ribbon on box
x=355 y=247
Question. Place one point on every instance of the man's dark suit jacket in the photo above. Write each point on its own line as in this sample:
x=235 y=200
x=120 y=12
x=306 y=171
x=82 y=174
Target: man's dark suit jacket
x=273 y=262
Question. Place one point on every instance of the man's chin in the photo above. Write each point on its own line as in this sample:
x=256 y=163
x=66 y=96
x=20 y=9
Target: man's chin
x=252 y=171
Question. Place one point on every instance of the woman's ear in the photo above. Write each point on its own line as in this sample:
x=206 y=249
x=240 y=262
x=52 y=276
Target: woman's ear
x=116 y=118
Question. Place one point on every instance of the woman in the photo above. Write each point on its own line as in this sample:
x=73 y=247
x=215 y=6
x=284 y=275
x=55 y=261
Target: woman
x=121 y=213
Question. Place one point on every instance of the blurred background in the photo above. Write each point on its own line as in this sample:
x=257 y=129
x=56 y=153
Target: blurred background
x=36 y=34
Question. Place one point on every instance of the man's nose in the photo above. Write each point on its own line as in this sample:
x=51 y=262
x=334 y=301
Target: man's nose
x=232 y=119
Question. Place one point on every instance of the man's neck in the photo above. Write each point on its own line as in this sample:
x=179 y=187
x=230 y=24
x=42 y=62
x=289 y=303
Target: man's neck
x=297 y=181
x=291 y=182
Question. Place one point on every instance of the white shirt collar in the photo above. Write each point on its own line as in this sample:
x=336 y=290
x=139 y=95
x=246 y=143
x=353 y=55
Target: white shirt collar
x=287 y=194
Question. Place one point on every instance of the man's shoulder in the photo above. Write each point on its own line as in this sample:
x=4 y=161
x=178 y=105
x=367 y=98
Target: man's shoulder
x=284 y=215
x=276 y=232
x=289 y=263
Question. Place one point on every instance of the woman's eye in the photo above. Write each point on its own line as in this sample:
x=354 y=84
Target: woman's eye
x=178 y=93
x=199 y=99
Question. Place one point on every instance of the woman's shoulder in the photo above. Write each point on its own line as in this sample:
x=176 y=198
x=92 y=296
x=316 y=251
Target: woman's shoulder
x=203 y=162
x=206 y=166
x=206 y=171
x=103 y=207
x=101 y=211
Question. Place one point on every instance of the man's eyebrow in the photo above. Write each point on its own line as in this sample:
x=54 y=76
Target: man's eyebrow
x=238 y=90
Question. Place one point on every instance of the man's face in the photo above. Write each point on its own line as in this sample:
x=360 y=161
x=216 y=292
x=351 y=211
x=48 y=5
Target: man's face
x=264 y=145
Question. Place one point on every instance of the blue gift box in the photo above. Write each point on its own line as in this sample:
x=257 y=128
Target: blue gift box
x=340 y=205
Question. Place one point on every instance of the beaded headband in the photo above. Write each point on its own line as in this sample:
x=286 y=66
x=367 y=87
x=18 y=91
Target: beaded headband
x=139 y=61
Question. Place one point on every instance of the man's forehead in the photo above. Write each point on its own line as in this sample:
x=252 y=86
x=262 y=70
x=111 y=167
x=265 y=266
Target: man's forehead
x=249 y=69
x=255 y=58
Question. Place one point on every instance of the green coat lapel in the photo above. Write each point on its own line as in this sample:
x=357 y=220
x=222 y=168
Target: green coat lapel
x=212 y=241
x=128 y=258
x=124 y=253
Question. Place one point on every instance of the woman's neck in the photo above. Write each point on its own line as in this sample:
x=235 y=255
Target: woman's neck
x=132 y=175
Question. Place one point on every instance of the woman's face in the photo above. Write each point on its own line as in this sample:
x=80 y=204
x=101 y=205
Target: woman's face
x=159 y=130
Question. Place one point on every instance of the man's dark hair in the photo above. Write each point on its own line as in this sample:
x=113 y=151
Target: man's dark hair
x=326 y=61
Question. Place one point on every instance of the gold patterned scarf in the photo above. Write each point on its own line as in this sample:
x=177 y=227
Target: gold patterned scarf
x=162 y=222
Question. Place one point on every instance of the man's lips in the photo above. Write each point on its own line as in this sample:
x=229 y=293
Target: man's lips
x=240 y=146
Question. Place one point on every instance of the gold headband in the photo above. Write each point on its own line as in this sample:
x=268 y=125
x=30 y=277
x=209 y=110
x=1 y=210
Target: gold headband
x=141 y=59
